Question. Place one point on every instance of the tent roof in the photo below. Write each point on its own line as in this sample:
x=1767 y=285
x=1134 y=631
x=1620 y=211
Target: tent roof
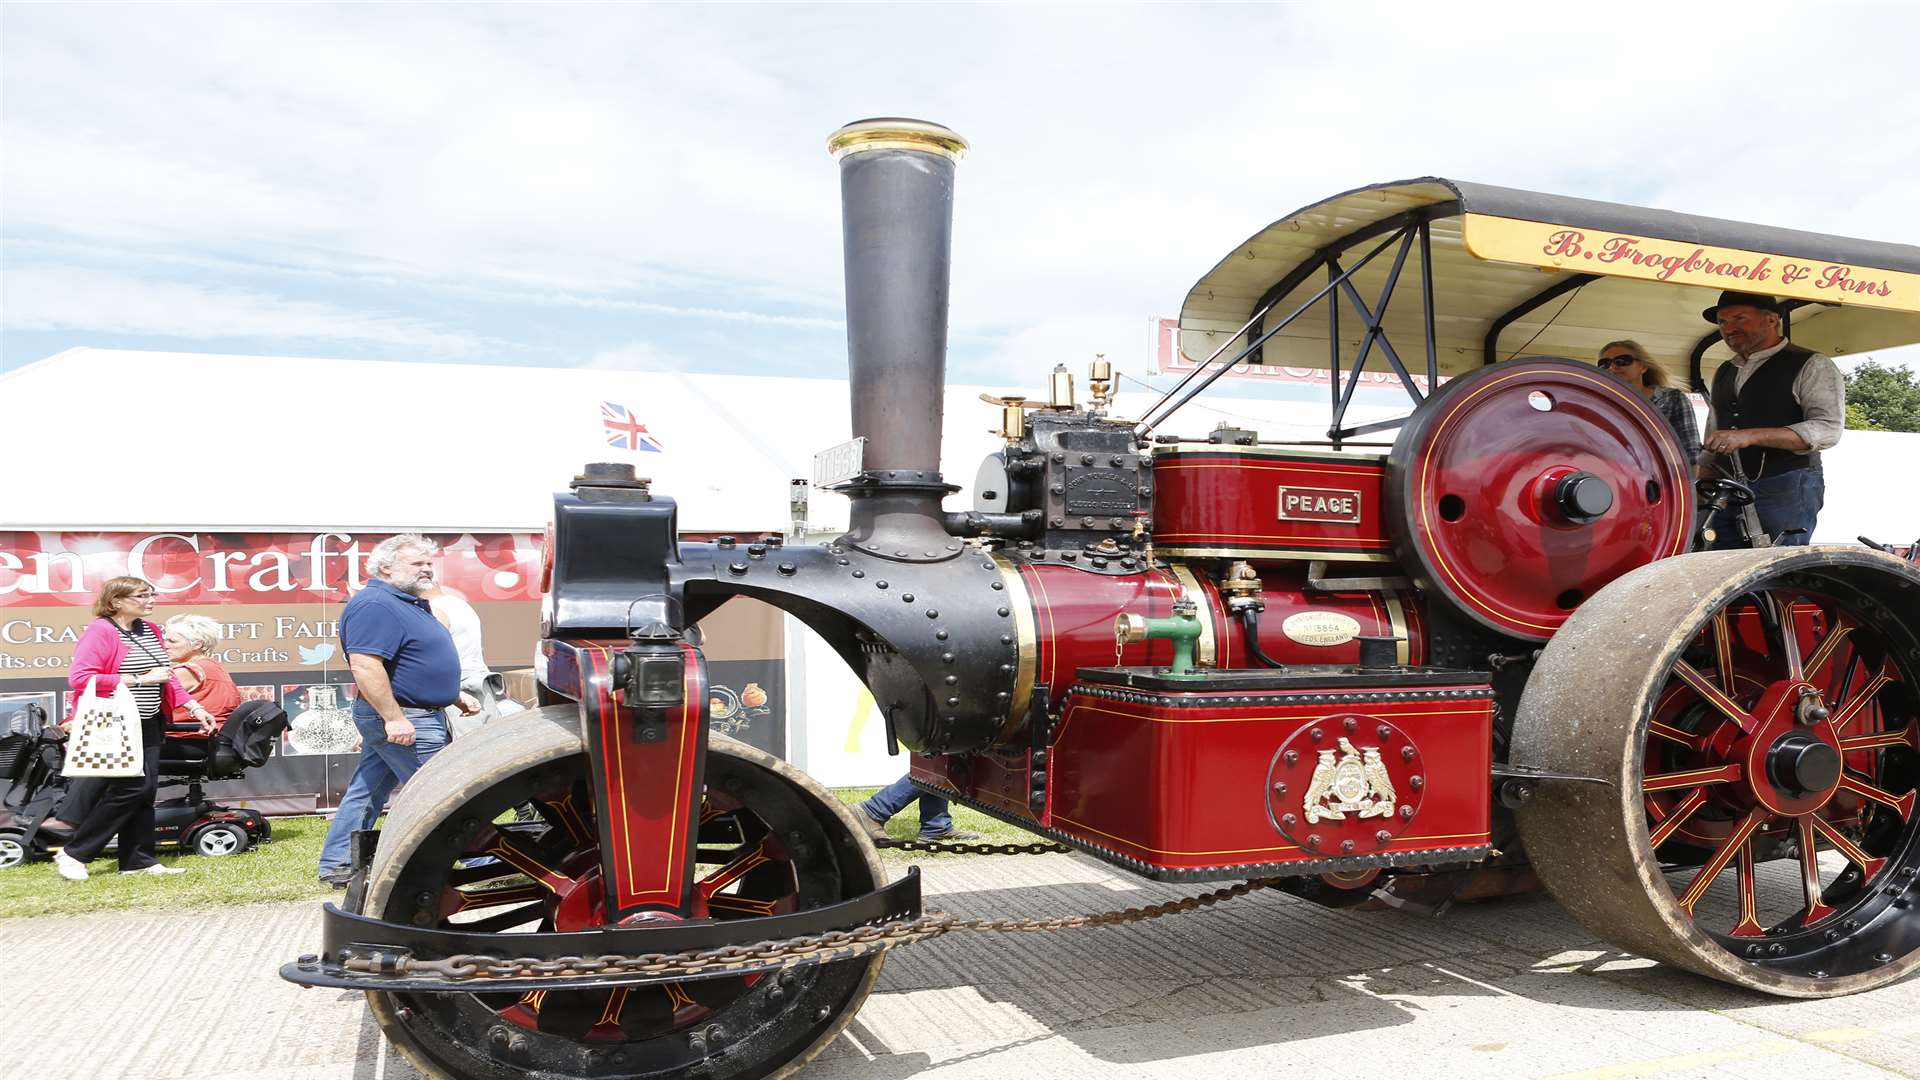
x=254 y=443
x=1632 y=272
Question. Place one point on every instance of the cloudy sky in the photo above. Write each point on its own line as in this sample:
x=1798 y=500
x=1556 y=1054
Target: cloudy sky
x=646 y=186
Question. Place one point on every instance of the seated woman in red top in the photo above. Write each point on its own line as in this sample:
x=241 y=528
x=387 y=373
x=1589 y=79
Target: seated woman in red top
x=190 y=638
x=190 y=641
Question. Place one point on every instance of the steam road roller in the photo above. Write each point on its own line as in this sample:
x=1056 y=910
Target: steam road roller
x=1448 y=654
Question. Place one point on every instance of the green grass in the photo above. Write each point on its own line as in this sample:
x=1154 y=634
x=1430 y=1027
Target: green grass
x=287 y=869
x=906 y=826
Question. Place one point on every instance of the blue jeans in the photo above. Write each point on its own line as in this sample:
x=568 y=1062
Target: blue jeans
x=890 y=800
x=1791 y=500
x=383 y=767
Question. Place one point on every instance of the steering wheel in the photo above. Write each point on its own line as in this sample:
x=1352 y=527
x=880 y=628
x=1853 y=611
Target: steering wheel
x=1716 y=488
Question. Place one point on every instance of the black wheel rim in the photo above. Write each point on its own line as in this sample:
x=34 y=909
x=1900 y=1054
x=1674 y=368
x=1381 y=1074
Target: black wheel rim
x=763 y=850
x=1741 y=822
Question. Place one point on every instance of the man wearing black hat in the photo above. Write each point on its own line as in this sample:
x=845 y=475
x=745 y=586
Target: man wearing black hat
x=1772 y=409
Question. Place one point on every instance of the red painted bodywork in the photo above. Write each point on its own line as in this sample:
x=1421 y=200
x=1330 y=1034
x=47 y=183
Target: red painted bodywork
x=1183 y=788
x=1074 y=612
x=648 y=794
x=1284 y=593
x=1219 y=500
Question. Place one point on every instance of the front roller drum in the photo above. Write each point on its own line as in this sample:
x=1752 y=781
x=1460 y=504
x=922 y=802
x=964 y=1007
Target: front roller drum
x=1754 y=714
x=498 y=835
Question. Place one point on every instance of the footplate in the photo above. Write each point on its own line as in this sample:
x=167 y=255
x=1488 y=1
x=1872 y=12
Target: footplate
x=362 y=953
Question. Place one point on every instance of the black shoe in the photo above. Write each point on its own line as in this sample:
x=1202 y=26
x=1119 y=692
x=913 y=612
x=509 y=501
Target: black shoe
x=58 y=832
x=951 y=834
x=336 y=878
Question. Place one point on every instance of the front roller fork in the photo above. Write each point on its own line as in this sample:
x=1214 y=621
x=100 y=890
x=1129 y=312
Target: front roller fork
x=643 y=716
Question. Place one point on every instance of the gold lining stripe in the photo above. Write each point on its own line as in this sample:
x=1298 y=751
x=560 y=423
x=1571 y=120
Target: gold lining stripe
x=1021 y=601
x=1313 y=712
x=1270 y=554
x=1138 y=846
x=1362 y=541
x=1243 y=467
x=1190 y=585
x=1177 y=449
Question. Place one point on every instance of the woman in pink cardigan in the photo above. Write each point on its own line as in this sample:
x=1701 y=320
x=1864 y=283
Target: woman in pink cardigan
x=122 y=645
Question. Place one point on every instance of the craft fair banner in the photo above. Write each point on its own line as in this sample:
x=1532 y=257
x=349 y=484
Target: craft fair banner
x=278 y=597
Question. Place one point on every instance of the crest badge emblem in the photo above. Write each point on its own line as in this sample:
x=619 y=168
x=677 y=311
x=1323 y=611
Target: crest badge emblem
x=1354 y=782
x=1346 y=784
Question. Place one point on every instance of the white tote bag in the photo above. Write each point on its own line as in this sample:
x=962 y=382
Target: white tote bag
x=105 y=736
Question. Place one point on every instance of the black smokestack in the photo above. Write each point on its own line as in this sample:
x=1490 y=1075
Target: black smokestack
x=896 y=196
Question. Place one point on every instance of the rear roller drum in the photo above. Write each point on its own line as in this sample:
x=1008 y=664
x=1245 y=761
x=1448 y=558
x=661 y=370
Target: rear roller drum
x=1756 y=715
x=498 y=833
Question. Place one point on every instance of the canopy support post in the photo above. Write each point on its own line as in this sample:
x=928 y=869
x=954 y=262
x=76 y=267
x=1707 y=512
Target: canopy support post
x=1333 y=340
x=1490 y=348
x=1426 y=300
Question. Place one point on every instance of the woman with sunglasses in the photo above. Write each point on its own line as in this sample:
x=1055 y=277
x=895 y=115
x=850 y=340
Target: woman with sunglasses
x=1630 y=363
x=121 y=644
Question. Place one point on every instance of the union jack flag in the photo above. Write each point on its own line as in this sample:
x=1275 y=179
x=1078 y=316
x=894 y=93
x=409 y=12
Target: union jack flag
x=624 y=432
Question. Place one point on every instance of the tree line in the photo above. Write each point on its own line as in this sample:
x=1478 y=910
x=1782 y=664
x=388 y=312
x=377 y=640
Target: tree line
x=1882 y=398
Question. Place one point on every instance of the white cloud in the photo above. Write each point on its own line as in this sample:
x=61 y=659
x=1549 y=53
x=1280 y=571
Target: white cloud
x=638 y=356
x=668 y=160
x=65 y=298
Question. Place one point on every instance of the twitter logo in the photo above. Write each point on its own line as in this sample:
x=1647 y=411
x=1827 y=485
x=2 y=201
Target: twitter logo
x=318 y=654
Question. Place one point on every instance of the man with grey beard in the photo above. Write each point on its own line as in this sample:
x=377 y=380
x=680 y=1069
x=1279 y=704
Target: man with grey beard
x=408 y=672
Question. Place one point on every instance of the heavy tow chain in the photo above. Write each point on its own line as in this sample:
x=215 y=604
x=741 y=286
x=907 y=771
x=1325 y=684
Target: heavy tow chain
x=962 y=847
x=831 y=946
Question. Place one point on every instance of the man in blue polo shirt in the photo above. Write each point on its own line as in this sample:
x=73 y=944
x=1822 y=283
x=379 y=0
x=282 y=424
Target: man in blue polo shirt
x=408 y=672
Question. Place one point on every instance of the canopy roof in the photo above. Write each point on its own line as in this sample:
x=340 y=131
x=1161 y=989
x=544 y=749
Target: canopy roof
x=1522 y=273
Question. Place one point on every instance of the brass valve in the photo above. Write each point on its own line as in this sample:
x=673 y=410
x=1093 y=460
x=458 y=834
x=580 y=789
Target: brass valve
x=1182 y=628
x=1100 y=382
x=1241 y=587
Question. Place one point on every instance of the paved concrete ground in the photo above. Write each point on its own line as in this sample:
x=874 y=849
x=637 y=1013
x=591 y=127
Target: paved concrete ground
x=1262 y=986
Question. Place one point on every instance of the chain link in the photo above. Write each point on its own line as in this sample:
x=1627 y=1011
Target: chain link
x=961 y=847
x=792 y=952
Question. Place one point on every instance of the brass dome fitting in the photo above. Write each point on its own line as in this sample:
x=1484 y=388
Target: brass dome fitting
x=896 y=133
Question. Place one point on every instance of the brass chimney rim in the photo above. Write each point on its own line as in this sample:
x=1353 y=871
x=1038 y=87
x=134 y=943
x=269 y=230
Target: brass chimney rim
x=897 y=133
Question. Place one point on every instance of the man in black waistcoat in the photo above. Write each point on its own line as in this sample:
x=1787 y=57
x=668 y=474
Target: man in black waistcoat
x=1773 y=408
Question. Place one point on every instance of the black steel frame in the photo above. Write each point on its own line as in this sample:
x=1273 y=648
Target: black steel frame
x=1406 y=227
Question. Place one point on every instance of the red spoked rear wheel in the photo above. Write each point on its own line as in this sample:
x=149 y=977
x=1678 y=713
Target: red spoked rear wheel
x=1757 y=713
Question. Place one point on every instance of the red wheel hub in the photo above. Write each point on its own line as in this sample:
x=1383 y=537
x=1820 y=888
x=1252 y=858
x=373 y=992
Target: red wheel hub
x=1521 y=489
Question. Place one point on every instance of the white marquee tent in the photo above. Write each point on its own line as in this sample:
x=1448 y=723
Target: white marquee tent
x=283 y=444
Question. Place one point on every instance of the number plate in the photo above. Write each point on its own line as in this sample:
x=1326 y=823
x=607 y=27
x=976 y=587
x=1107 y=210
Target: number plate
x=837 y=464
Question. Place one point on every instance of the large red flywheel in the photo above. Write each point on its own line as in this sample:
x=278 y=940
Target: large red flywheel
x=1519 y=490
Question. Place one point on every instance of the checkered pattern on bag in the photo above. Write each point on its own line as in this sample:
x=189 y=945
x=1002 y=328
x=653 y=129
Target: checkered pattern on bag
x=102 y=746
